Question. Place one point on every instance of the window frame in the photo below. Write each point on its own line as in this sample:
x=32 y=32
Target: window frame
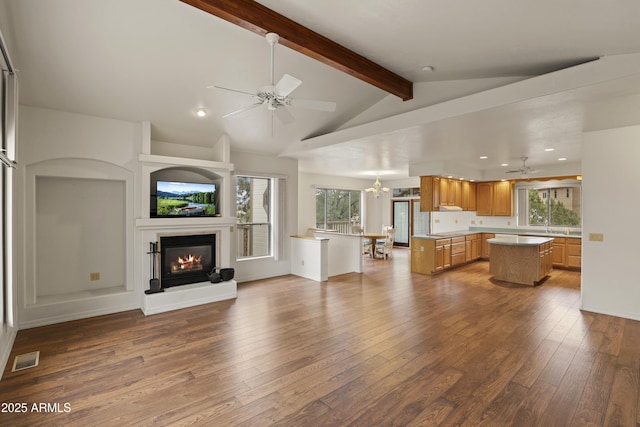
x=350 y=203
x=547 y=197
x=270 y=221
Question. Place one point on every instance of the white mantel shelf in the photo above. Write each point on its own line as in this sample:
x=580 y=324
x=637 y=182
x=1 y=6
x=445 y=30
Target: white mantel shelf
x=184 y=296
x=161 y=223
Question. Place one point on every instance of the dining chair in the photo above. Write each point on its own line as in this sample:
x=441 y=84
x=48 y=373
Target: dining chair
x=385 y=247
x=367 y=246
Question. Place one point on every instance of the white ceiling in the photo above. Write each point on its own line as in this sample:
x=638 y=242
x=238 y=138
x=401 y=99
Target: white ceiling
x=152 y=60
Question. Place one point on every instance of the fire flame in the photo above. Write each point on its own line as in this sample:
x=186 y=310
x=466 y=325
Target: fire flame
x=188 y=262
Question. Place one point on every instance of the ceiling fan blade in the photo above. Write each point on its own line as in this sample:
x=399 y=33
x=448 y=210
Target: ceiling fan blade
x=287 y=84
x=284 y=115
x=231 y=90
x=242 y=110
x=313 y=105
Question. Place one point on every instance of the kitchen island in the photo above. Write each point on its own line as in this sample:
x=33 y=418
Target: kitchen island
x=525 y=260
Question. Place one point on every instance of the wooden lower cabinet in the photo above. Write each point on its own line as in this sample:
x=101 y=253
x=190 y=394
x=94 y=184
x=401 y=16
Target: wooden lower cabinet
x=574 y=252
x=430 y=256
x=558 y=251
x=458 y=250
x=486 y=247
x=567 y=252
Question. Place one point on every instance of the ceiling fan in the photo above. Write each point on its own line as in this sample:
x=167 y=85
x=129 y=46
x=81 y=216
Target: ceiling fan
x=275 y=97
x=524 y=169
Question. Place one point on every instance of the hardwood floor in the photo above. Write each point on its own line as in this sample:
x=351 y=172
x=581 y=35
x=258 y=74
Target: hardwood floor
x=385 y=347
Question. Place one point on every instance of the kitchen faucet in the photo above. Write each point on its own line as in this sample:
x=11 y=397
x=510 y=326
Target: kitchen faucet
x=546 y=225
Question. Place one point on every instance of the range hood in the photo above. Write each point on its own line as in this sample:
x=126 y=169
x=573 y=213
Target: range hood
x=444 y=208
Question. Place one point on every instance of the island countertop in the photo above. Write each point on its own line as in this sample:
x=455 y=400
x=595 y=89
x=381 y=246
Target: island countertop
x=519 y=240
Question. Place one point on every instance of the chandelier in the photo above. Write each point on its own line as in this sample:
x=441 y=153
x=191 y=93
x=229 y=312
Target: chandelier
x=377 y=188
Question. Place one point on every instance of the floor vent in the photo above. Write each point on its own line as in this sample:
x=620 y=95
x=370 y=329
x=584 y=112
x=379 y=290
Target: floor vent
x=25 y=361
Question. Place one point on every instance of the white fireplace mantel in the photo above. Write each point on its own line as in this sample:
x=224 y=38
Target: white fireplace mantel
x=150 y=229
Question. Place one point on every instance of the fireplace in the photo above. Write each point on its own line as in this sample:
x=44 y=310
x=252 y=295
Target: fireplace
x=186 y=259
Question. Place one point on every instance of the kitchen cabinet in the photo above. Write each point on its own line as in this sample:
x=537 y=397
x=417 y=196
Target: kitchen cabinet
x=444 y=191
x=486 y=247
x=437 y=191
x=472 y=247
x=567 y=252
x=458 y=250
x=430 y=256
x=467 y=196
x=574 y=252
x=559 y=244
x=494 y=198
x=429 y=193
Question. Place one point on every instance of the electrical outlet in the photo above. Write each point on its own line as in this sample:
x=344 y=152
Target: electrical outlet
x=596 y=237
x=508 y=222
x=436 y=221
x=480 y=222
x=473 y=221
x=94 y=276
x=303 y=263
x=456 y=221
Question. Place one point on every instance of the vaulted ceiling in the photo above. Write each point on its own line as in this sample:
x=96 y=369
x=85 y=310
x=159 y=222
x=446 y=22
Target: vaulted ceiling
x=153 y=60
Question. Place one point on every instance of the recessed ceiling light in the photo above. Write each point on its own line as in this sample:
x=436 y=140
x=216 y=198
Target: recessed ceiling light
x=549 y=149
x=200 y=112
x=428 y=68
x=504 y=164
x=484 y=157
x=562 y=159
x=450 y=176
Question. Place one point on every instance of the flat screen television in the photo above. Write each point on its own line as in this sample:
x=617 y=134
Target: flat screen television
x=184 y=199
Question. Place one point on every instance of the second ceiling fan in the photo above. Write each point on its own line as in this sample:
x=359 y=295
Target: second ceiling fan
x=275 y=97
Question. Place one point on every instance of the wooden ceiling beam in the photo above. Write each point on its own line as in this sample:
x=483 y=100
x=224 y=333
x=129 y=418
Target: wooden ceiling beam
x=255 y=17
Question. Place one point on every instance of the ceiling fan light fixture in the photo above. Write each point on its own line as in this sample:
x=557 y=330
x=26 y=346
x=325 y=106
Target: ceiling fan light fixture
x=201 y=112
x=275 y=96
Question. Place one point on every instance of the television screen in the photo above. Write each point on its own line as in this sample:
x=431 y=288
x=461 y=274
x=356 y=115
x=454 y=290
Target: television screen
x=185 y=199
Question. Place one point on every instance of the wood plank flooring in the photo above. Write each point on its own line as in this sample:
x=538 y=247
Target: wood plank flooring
x=385 y=347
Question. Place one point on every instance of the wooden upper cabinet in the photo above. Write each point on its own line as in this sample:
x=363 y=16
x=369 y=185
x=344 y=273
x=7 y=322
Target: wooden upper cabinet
x=472 y=196
x=494 y=198
x=484 y=198
x=444 y=192
x=502 y=198
x=429 y=193
x=457 y=192
x=436 y=191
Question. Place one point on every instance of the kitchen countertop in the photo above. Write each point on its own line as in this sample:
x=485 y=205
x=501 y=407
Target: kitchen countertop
x=513 y=231
x=516 y=240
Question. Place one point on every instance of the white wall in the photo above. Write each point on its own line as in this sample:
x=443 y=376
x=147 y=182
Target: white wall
x=67 y=145
x=286 y=170
x=610 y=188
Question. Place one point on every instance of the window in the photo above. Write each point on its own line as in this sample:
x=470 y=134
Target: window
x=406 y=192
x=545 y=206
x=338 y=210
x=254 y=212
